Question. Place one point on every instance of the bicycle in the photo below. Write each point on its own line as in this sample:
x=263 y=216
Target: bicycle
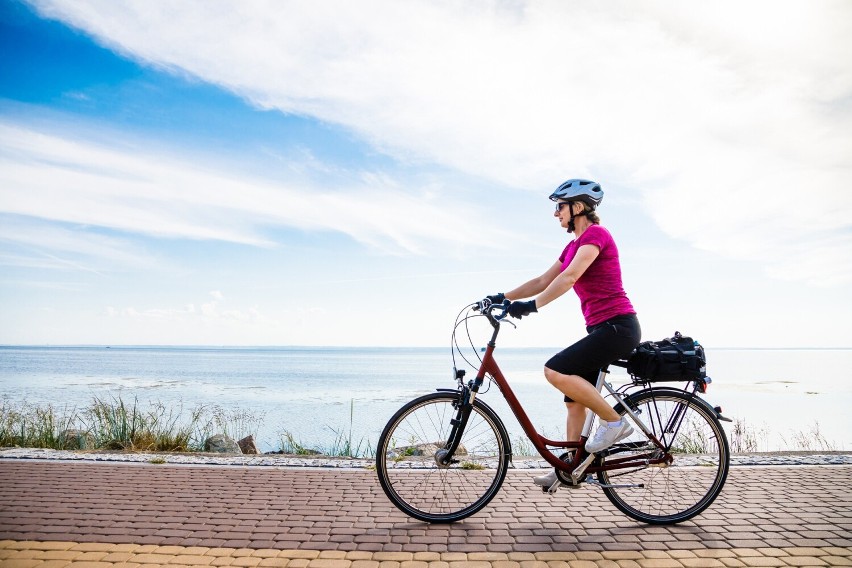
x=443 y=456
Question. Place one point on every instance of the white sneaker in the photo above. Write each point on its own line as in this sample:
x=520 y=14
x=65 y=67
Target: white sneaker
x=547 y=480
x=608 y=435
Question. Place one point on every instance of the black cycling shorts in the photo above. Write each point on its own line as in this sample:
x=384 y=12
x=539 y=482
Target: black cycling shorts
x=607 y=341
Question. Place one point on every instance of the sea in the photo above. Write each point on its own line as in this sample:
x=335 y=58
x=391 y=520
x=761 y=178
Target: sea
x=787 y=399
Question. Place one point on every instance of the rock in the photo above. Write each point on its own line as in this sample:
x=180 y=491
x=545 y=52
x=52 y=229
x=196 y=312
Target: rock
x=72 y=439
x=248 y=446
x=427 y=449
x=221 y=444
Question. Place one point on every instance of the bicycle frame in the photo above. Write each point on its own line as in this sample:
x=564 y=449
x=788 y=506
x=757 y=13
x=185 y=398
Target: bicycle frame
x=583 y=463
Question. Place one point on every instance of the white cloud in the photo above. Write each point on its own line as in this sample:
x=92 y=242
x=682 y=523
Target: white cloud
x=722 y=115
x=49 y=176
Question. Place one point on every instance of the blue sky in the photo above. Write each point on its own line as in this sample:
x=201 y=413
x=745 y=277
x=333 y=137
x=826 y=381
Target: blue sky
x=339 y=174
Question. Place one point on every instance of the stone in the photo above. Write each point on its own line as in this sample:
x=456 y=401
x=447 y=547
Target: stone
x=221 y=444
x=72 y=439
x=247 y=445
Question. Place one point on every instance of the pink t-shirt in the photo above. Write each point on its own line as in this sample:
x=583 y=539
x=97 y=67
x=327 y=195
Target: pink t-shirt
x=600 y=289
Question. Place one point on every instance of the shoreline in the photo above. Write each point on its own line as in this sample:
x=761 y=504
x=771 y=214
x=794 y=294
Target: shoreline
x=834 y=458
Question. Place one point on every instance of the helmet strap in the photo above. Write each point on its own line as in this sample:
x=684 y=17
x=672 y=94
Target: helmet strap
x=571 y=225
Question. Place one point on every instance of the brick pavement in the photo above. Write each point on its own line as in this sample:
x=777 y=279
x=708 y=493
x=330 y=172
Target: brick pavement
x=101 y=514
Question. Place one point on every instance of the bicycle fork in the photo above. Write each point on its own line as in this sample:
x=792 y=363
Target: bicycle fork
x=444 y=456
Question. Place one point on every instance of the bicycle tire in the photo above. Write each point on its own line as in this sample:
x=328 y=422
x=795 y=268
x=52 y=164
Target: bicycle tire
x=683 y=489
x=410 y=475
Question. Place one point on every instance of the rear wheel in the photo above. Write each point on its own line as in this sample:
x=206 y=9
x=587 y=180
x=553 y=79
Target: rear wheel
x=676 y=492
x=408 y=459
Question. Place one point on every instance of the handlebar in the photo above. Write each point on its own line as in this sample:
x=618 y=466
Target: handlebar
x=486 y=308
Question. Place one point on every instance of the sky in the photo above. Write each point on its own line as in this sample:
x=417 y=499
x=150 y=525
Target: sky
x=355 y=173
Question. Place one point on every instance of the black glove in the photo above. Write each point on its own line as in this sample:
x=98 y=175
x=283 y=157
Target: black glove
x=521 y=309
x=496 y=298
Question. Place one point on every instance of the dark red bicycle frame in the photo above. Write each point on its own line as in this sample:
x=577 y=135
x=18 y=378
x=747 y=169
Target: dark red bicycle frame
x=489 y=367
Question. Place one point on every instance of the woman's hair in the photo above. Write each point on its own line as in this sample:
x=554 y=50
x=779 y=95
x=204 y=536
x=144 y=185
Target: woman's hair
x=590 y=214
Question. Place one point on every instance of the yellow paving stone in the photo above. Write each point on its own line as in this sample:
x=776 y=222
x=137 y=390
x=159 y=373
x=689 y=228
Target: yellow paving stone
x=240 y=552
x=621 y=555
x=545 y=556
x=63 y=563
x=298 y=554
x=21 y=563
x=659 y=563
x=298 y=562
x=271 y=562
x=745 y=552
x=171 y=549
x=503 y=564
x=18 y=544
x=679 y=554
x=732 y=562
x=329 y=563
x=660 y=554
x=398 y=556
x=118 y=557
x=359 y=555
x=266 y=553
x=701 y=562
x=805 y=551
x=588 y=555
x=469 y=564
x=778 y=552
x=762 y=561
x=453 y=556
x=57 y=554
x=488 y=556
x=195 y=550
x=583 y=564
x=532 y=564
x=627 y=563
x=90 y=556
x=26 y=554
x=146 y=548
x=438 y=564
x=334 y=554
x=148 y=558
x=600 y=564
x=52 y=545
x=413 y=564
x=222 y=561
x=220 y=552
x=247 y=561
x=714 y=553
x=126 y=547
x=838 y=551
x=520 y=556
x=389 y=564
x=93 y=547
x=364 y=563
x=838 y=560
x=804 y=561
x=193 y=560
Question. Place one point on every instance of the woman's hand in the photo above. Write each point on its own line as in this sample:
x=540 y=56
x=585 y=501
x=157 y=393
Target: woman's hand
x=520 y=309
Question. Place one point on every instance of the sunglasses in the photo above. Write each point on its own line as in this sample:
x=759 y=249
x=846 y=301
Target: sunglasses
x=560 y=205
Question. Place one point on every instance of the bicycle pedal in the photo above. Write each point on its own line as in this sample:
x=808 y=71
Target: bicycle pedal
x=553 y=488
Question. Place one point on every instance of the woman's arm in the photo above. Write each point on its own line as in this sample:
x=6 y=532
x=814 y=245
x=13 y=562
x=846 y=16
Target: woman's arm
x=586 y=254
x=536 y=285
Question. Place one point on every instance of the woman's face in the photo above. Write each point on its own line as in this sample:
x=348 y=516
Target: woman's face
x=563 y=213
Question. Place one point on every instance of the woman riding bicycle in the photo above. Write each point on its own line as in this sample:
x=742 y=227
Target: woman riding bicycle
x=590 y=265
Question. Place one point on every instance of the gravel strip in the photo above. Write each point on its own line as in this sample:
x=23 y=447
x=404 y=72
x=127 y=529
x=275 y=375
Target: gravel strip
x=276 y=460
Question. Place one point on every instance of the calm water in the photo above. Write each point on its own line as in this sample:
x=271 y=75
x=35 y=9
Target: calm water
x=310 y=391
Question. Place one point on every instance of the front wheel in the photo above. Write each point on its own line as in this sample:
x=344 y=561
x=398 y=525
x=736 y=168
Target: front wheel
x=667 y=494
x=410 y=466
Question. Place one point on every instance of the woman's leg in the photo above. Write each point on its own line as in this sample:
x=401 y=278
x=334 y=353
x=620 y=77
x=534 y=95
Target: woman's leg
x=580 y=390
x=576 y=419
